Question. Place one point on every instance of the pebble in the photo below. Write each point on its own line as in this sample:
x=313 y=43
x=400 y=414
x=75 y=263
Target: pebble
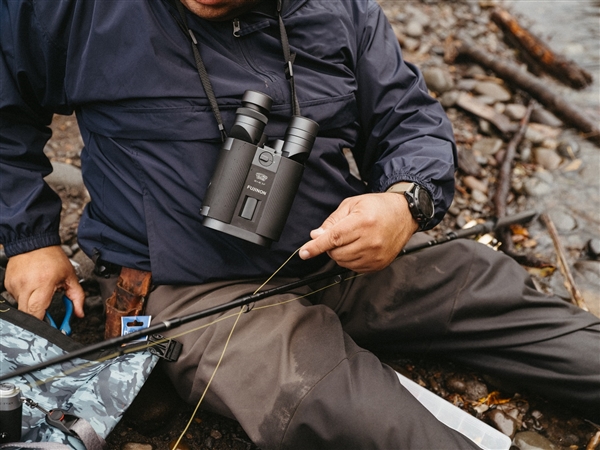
x=537 y=188
x=466 y=84
x=493 y=90
x=545 y=117
x=85 y=265
x=593 y=248
x=569 y=149
x=515 y=111
x=475 y=183
x=478 y=197
x=471 y=388
x=66 y=176
x=448 y=98
x=414 y=29
x=438 y=80
x=502 y=422
x=136 y=446
x=530 y=440
x=547 y=158
x=563 y=221
x=487 y=146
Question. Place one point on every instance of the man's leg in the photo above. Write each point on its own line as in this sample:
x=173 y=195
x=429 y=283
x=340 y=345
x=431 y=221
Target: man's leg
x=292 y=377
x=464 y=301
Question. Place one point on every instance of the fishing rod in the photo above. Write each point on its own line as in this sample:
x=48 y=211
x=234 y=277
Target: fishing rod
x=479 y=229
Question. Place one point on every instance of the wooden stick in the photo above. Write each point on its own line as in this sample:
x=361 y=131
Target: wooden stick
x=501 y=195
x=535 y=87
x=505 y=174
x=576 y=297
x=538 y=55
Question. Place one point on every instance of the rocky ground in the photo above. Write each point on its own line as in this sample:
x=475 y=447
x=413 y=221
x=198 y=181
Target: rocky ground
x=423 y=28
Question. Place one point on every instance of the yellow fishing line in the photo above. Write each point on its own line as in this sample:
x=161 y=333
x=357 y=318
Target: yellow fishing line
x=223 y=354
x=239 y=314
x=147 y=345
x=275 y=273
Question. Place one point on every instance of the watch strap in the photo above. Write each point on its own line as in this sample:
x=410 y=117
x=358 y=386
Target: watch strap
x=401 y=187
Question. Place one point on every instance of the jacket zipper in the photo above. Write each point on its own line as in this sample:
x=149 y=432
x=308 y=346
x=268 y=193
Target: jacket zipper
x=236 y=28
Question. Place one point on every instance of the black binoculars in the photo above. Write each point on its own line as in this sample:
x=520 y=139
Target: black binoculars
x=252 y=189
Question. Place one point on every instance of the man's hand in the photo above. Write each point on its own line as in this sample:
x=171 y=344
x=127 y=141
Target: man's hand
x=32 y=279
x=365 y=233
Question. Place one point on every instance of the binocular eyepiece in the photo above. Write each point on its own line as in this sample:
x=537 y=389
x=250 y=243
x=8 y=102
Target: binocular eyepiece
x=251 y=192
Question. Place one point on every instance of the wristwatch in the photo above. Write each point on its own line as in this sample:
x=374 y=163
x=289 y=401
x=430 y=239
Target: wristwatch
x=419 y=202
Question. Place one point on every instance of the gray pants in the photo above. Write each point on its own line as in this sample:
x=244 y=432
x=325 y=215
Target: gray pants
x=299 y=375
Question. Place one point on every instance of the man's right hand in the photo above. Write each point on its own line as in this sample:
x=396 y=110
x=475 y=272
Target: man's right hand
x=32 y=278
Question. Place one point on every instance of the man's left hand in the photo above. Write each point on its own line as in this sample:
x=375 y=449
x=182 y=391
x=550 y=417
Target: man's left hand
x=365 y=233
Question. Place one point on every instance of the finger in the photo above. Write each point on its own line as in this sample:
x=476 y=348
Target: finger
x=75 y=292
x=38 y=302
x=326 y=240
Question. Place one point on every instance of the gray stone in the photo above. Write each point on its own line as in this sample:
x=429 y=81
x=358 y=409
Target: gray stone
x=414 y=29
x=547 y=158
x=66 y=176
x=475 y=183
x=478 y=196
x=410 y=44
x=569 y=148
x=545 y=117
x=563 y=221
x=544 y=176
x=487 y=146
x=494 y=90
x=537 y=188
x=448 y=99
x=486 y=99
x=466 y=84
x=438 y=80
x=67 y=250
x=475 y=71
x=530 y=440
x=593 y=248
x=515 y=111
x=525 y=152
x=85 y=266
x=502 y=422
x=136 y=446
x=587 y=278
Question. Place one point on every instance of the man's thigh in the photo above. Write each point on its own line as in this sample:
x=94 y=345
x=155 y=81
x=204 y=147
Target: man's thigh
x=464 y=301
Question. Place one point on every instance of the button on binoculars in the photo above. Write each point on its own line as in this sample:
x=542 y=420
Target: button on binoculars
x=251 y=192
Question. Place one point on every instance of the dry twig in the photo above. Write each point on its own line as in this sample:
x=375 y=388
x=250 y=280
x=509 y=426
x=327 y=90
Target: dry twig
x=576 y=297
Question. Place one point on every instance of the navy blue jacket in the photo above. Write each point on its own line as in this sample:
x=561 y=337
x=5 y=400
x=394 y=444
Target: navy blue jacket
x=152 y=142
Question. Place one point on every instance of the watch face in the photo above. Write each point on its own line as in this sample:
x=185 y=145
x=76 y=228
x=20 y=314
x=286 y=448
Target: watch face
x=425 y=203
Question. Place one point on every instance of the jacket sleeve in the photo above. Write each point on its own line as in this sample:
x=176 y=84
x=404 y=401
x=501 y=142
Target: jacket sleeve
x=408 y=135
x=29 y=208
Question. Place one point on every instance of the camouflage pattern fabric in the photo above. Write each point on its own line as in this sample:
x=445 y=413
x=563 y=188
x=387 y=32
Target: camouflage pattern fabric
x=98 y=392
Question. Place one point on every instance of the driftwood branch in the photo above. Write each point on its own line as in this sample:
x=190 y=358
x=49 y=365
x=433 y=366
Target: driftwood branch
x=537 y=55
x=501 y=195
x=536 y=88
x=505 y=174
x=576 y=297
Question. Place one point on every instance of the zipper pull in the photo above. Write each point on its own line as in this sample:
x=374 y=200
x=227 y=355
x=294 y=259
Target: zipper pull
x=236 y=27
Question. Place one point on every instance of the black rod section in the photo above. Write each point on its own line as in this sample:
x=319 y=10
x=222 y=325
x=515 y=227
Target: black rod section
x=482 y=228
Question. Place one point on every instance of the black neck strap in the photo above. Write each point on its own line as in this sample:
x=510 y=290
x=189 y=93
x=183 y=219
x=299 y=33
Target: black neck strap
x=205 y=80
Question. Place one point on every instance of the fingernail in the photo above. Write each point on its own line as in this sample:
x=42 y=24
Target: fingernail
x=317 y=232
x=304 y=254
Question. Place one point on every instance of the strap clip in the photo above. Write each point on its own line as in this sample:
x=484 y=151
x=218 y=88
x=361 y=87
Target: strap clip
x=62 y=420
x=168 y=349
